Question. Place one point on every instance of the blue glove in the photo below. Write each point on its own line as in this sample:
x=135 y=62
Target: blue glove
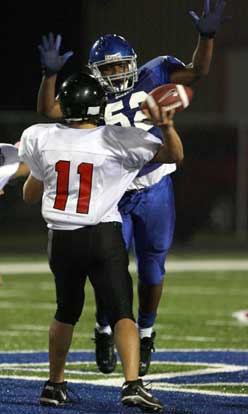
x=209 y=22
x=50 y=59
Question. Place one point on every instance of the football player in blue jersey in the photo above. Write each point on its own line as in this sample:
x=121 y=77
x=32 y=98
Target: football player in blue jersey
x=147 y=208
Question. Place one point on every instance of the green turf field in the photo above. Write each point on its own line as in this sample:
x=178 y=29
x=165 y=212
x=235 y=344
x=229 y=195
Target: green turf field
x=195 y=313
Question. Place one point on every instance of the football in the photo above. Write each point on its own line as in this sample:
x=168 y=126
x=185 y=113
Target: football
x=171 y=96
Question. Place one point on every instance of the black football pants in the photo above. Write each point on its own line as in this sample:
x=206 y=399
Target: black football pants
x=98 y=252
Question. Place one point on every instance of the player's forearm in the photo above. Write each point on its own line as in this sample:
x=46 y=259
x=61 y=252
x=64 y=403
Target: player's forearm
x=172 y=149
x=46 y=103
x=32 y=190
x=200 y=65
x=202 y=56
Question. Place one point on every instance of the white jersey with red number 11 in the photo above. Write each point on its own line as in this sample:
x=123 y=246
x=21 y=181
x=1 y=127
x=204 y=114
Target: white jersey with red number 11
x=85 y=172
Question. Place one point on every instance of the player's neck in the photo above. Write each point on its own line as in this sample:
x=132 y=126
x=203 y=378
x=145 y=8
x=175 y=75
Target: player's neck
x=83 y=125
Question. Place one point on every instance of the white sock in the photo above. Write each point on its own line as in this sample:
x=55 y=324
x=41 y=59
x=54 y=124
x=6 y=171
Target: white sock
x=145 y=332
x=103 y=329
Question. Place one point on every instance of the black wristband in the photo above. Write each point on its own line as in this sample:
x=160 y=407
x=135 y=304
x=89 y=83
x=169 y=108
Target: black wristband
x=210 y=35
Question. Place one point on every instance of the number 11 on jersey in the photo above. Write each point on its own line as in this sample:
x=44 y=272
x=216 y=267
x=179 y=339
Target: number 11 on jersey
x=85 y=172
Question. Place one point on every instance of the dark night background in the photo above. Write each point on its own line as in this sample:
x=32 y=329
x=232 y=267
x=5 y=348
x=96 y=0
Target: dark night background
x=211 y=187
x=153 y=28
x=23 y=24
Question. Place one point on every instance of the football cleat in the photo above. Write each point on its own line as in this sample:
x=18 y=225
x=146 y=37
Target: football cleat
x=105 y=354
x=135 y=394
x=55 y=394
x=146 y=348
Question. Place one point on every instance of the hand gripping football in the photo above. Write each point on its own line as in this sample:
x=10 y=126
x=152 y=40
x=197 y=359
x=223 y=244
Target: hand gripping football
x=170 y=96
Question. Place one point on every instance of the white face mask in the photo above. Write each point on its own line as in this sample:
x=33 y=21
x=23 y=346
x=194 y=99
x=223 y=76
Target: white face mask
x=116 y=83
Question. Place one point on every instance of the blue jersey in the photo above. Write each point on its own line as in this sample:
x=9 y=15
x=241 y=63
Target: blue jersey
x=125 y=110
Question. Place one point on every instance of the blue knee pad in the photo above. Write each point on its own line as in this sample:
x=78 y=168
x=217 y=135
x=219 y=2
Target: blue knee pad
x=151 y=271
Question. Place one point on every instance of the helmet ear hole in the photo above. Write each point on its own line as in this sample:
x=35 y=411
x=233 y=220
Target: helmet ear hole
x=114 y=50
x=82 y=98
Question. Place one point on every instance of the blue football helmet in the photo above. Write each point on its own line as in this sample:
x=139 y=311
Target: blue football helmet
x=114 y=50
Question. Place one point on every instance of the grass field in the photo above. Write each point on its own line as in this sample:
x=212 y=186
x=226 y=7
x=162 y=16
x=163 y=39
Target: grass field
x=195 y=311
x=195 y=314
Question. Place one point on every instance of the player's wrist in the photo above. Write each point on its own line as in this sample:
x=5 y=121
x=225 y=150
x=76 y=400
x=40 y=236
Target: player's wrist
x=210 y=35
x=169 y=125
x=48 y=73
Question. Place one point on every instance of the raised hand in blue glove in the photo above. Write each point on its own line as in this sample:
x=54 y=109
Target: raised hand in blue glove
x=50 y=59
x=209 y=22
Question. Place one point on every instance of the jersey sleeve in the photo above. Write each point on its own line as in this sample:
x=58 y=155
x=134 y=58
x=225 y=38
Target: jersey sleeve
x=28 y=152
x=171 y=64
x=162 y=67
x=137 y=147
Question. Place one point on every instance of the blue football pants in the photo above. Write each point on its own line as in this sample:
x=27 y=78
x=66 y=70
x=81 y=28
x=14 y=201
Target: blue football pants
x=148 y=227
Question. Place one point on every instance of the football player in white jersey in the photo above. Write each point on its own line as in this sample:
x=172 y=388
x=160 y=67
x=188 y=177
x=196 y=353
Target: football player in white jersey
x=80 y=171
x=147 y=208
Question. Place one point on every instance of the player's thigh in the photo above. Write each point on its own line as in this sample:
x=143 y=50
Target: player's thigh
x=126 y=206
x=67 y=254
x=127 y=230
x=154 y=226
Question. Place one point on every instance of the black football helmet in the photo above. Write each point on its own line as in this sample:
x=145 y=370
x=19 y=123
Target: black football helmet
x=82 y=98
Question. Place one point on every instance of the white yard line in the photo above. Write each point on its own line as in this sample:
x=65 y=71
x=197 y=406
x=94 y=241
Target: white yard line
x=207 y=265
x=24 y=267
x=67 y=371
x=30 y=306
x=194 y=338
x=21 y=332
x=39 y=305
x=164 y=387
x=183 y=350
x=35 y=351
x=171 y=266
x=182 y=290
x=118 y=383
x=190 y=338
x=224 y=323
x=149 y=377
x=29 y=327
x=39 y=332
